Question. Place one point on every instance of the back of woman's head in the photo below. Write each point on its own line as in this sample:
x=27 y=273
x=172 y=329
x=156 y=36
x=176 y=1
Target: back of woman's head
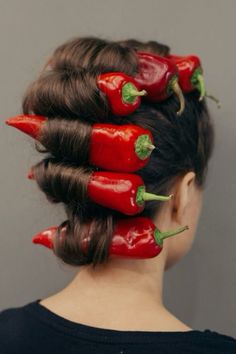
x=67 y=94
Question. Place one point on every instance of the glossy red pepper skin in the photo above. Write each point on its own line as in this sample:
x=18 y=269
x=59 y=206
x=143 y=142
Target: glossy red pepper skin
x=159 y=77
x=124 y=192
x=135 y=237
x=139 y=238
x=190 y=72
x=46 y=237
x=117 y=191
x=120 y=148
x=124 y=148
x=122 y=92
x=28 y=123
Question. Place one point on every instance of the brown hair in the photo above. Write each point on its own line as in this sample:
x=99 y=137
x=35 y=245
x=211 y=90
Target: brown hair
x=67 y=94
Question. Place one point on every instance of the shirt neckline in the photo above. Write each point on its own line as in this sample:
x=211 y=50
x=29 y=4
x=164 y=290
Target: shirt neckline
x=99 y=334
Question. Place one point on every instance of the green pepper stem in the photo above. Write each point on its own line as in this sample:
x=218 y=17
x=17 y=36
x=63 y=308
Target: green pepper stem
x=149 y=146
x=177 y=90
x=150 y=196
x=197 y=81
x=143 y=146
x=160 y=236
x=214 y=99
x=201 y=86
x=143 y=196
x=130 y=92
x=137 y=93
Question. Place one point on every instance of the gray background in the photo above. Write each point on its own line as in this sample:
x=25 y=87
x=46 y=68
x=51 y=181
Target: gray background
x=201 y=289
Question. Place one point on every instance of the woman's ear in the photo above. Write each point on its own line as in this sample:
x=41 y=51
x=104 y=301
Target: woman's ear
x=183 y=189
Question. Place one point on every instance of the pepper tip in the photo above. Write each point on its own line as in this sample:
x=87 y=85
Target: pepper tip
x=200 y=98
x=144 y=92
x=30 y=174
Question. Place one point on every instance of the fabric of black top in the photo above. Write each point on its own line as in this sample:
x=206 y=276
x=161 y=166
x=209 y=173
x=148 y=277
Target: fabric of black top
x=34 y=329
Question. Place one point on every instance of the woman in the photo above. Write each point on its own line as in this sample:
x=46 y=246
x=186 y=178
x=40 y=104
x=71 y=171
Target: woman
x=114 y=304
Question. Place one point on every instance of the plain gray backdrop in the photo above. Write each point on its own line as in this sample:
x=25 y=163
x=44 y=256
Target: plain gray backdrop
x=201 y=289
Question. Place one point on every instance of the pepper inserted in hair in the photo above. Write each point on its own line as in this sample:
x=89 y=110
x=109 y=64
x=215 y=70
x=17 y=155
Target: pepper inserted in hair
x=124 y=192
x=159 y=77
x=124 y=148
x=191 y=75
x=135 y=237
x=122 y=92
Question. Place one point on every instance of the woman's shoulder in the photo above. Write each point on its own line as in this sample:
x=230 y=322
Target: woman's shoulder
x=214 y=335
x=33 y=325
x=212 y=341
x=12 y=321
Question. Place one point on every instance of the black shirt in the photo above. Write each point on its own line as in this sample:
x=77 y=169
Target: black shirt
x=33 y=329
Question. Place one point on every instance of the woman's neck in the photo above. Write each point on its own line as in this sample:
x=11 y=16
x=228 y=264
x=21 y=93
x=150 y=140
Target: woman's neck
x=119 y=281
x=125 y=294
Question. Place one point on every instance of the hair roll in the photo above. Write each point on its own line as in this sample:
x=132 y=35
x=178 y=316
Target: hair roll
x=62 y=183
x=71 y=93
x=67 y=140
x=90 y=52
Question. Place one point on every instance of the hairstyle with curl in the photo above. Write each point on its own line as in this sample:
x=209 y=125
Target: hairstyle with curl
x=66 y=93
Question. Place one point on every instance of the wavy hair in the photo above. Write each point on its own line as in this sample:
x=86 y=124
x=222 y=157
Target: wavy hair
x=67 y=94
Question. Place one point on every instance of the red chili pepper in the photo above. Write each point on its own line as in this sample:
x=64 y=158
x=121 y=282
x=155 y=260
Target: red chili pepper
x=135 y=237
x=124 y=148
x=124 y=192
x=122 y=92
x=159 y=77
x=120 y=191
x=191 y=75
